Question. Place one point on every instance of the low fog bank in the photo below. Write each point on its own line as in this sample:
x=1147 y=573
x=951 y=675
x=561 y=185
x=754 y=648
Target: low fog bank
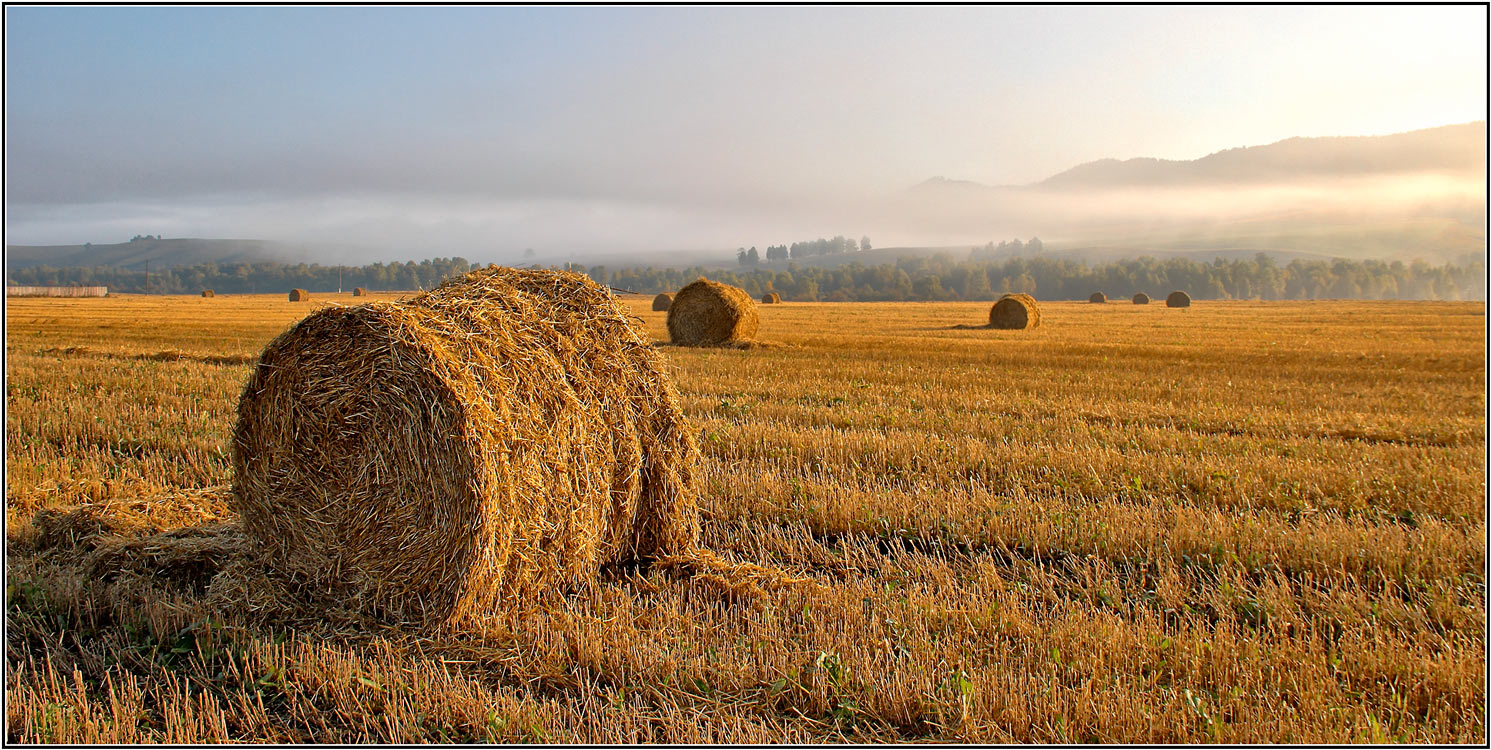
x=1431 y=216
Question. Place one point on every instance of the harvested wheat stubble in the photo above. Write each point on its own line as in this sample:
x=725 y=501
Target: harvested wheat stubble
x=1178 y=299
x=707 y=313
x=207 y=293
x=299 y=295
x=1098 y=298
x=1141 y=299
x=1015 y=311
x=661 y=302
x=359 y=292
x=426 y=460
x=771 y=298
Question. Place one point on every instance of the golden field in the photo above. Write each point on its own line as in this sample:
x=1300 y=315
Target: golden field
x=1237 y=522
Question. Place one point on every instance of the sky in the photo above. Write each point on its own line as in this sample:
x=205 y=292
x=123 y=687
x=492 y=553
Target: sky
x=481 y=131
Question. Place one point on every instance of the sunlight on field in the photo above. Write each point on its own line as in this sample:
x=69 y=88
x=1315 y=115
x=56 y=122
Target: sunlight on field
x=1236 y=522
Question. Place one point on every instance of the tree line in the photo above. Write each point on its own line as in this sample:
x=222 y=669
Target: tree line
x=939 y=277
x=799 y=250
x=945 y=277
x=248 y=278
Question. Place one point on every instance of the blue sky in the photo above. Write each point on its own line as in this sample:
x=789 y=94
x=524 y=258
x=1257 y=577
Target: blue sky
x=660 y=127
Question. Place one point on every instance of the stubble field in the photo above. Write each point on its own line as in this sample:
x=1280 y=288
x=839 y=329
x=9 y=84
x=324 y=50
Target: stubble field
x=1237 y=522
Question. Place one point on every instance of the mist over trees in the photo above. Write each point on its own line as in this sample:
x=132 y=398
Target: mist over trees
x=940 y=277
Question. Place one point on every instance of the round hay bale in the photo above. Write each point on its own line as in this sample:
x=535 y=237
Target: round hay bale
x=771 y=298
x=503 y=435
x=1178 y=299
x=707 y=313
x=661 y=302
x=207 y=293
x=359 y=292
x=1141 y=299
x=1014 y=312
x=299 y=295
x=1098 y=298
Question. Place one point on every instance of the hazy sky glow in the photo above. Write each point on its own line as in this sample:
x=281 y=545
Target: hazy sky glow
x=434 y=129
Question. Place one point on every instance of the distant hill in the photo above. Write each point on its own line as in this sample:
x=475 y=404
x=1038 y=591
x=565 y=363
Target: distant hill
x=1453 y=149
x=161 y=253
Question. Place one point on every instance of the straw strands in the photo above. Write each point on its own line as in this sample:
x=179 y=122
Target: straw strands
x=502 y=435
x=707 y=313
x=1014 y=312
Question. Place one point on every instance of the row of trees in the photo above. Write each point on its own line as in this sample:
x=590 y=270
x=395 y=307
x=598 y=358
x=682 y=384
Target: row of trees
x=799 y=250
x=943 y=277
x=940 y=277
x=248 y=278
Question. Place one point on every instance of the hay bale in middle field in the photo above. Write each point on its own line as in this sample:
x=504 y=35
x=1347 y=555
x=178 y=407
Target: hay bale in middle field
x=771 y=298
x=662 y=302
x=707 y=313
x=1178 y=299
x=1141 y=299
x=299 y=295
x=359 y=292
x=501 y=436
x=1014 y=312
x=1098 y=298
x=207 y=293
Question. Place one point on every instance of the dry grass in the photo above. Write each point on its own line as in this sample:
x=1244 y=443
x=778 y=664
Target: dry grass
x=1257 y=522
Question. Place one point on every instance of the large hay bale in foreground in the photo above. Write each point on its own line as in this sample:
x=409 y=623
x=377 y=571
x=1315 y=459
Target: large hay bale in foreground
x=661 y=302
x=207 y=293
x=707 y=313
x=299 y=295
x=771 y=298
x=1098 y=298
x=1014 y=312
x=502 y=435
x=359 y=292
x=1178 y=299
x=1141 y=299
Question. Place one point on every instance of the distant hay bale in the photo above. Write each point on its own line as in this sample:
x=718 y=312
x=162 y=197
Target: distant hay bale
x=299 y=295
x=501 y=436
x=1141 y=299
x=207 y=293
x=1178 y=299
x=1014 y=312
x=1098 y=298
x=661 y=302
x=771 y=298
x=359 y=292
x=707 y=313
